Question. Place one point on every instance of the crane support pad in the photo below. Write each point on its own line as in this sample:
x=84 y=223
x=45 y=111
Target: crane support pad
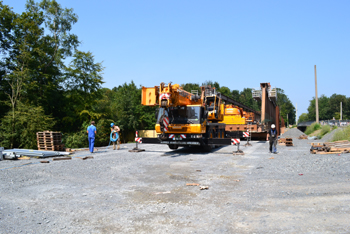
x=150 y=140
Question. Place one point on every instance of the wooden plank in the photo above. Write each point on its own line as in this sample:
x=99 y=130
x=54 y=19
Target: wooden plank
x=49 y=145
x=322 y=152
x=192 y=184
x=333 y=149
x=65 y=158
x=338 y=145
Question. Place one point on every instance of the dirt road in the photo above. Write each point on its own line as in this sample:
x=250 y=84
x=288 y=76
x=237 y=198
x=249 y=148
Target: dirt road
x=123 y=192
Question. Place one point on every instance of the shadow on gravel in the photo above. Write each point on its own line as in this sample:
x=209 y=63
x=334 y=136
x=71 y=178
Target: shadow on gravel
x=185 y=151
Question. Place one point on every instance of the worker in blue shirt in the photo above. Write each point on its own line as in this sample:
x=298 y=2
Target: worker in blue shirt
x=91 y=131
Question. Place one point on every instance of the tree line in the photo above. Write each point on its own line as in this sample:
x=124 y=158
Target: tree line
x=329 y=108
x=41 y=90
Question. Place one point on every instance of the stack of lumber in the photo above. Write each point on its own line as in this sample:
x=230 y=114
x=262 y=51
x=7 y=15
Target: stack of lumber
x=51 y=141
x=336 y=147
x=302 y=137
x=289 y=141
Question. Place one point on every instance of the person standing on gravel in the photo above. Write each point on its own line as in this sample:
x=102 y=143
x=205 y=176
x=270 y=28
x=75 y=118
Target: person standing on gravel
x=91 y=131
x=273 y=139
x=115 y=135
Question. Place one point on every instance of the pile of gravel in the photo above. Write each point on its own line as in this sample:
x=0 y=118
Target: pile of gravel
x=329 y=136
x=293 y=133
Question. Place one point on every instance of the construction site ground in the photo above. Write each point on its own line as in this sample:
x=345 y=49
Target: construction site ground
x=156 y=191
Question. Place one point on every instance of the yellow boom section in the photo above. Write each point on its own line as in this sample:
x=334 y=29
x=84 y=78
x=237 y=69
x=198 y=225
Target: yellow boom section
x=233 y=115
x=149 y=96
x=170 y=95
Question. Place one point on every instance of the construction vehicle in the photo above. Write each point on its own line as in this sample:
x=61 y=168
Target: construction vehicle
x=186 y=119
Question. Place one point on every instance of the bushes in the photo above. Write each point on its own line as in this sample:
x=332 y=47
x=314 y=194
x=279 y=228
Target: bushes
x=343 y=134
x=313 y=127
x=80 y=139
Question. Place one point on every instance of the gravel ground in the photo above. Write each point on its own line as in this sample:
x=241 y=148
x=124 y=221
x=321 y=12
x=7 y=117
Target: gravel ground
x=292 y=133
x=122 y=192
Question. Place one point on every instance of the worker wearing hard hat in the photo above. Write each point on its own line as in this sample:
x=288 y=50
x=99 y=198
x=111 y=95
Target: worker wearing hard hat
x=273 y=139
x=115 y=135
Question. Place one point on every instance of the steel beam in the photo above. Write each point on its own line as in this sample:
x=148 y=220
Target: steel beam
x=231 y=101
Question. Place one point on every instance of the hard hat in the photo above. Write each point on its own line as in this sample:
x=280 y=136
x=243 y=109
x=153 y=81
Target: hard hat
x=112 y=124
x=273 y=126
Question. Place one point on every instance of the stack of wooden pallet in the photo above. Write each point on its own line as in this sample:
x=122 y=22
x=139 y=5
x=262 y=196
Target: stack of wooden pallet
x=336 y=147
x=50 y=141
x=285 y=141
x=289 y=141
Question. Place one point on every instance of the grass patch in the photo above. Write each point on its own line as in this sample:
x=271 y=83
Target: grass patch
x=324 y=130
x=341 y=135
x=313 y=127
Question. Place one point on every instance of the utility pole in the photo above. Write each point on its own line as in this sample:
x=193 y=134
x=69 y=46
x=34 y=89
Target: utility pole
x=296 y=113
x=341 y=110
x=316 y=97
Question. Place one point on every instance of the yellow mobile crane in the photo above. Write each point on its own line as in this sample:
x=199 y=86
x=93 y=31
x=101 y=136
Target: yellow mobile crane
x=186 y=119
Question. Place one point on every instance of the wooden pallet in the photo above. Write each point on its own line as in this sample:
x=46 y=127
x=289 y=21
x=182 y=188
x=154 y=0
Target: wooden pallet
x=51 y=141
x=52 y=148
x=282 y=140
x=289 y=141
x=336 y=147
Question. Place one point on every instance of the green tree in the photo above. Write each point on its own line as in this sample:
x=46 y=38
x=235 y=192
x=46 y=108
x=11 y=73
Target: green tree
x=323 y=108
x=303 y=118
x=54 y=44
x=286 y=107
x=246 y=98
x=334 y=104
x=130 y=114
x=212 y=84
x=225 y=91
x=83 y=80
x=7 y=39
x=235 y=95
x=29 y=120
x=189 y=87
x=21 y=56
x=34 y=47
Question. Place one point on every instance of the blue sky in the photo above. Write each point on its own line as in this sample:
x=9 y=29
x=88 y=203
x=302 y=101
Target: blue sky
x=239 y=44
